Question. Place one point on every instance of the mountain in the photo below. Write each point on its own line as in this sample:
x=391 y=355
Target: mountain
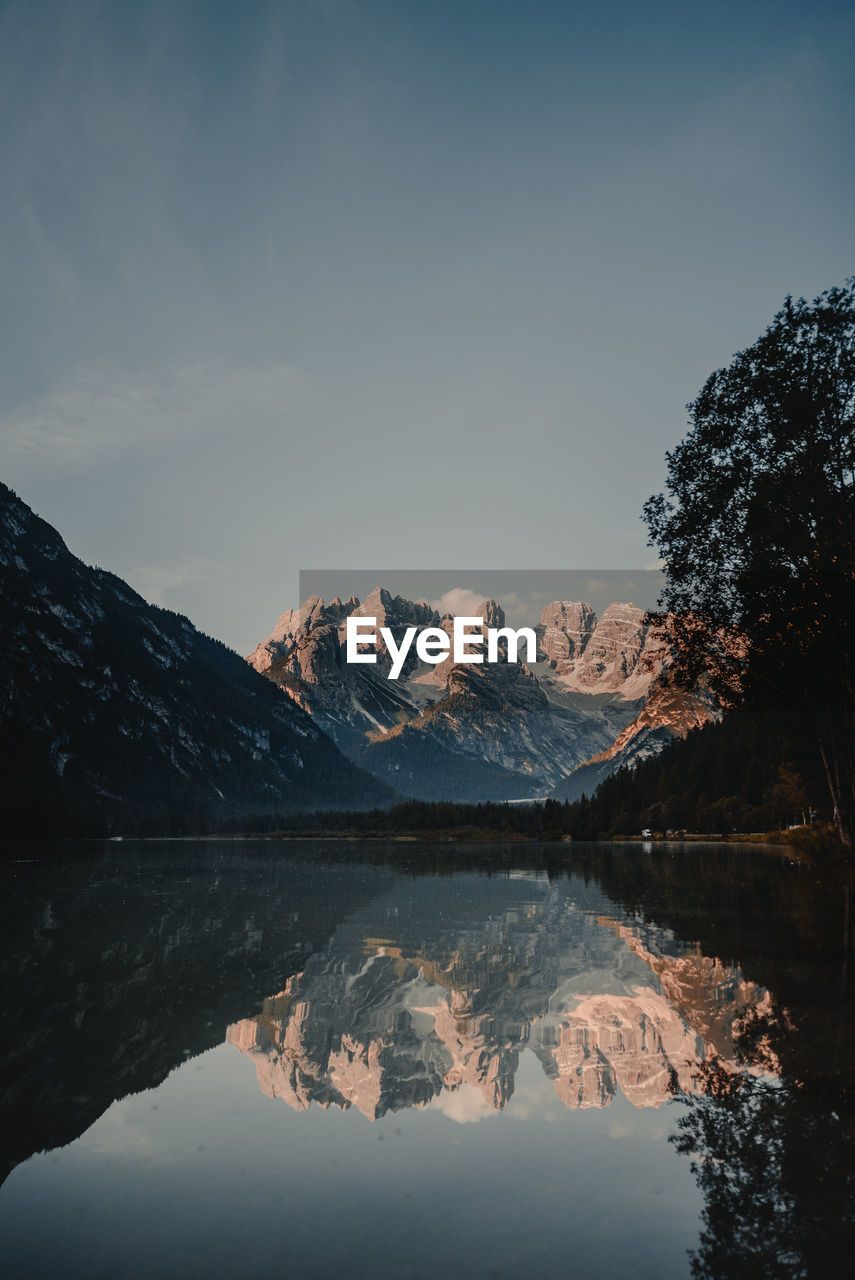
x=498 y=731
x=668 y=713
x=116 y=715
x=305 y=656
x=619 y=652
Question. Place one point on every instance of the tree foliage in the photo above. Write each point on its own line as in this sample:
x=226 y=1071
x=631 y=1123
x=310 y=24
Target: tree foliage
x=757 y=532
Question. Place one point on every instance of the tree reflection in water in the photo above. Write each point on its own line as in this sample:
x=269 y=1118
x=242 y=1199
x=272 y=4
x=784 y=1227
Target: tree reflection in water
x=772 y=1150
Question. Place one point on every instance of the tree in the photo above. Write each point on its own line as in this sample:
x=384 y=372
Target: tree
x=773 y=1159
x=756 y=532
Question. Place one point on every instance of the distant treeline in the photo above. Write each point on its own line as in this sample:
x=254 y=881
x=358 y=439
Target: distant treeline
x=744 y=774
x=740 y=775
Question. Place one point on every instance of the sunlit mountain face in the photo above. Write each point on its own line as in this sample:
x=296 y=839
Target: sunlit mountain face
x=592 y=692
x=426 y=999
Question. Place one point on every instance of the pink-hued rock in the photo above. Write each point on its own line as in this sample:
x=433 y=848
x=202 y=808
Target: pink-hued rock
x=370 y=1026
x=488 y=731
x=567 y=627
x=618 y=653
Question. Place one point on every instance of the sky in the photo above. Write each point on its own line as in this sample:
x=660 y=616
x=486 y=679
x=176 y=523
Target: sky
x=332 y=283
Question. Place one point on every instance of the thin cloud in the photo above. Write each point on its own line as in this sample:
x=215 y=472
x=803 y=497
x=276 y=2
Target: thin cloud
x=156 y=581
x=461 y=601
x=96 y=417
x=464 y=1105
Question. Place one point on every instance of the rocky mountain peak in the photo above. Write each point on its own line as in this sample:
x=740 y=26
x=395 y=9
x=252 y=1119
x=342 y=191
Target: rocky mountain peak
x=618 y=652
x=482 y=730
x=492 y=613
x=567 y=627
x=395 y=612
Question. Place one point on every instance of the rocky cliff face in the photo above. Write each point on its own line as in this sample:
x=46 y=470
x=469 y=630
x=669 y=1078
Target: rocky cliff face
x=117 y=715
x=618 y=653
x=567 y=628
x=497 y=731
x=668 y=713
x=398 y=1021
x=307 y=643
x=305 y=656
x=466 y=732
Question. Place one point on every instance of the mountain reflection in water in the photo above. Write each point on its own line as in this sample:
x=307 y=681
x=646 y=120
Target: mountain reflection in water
x=565 y=993
x=459 y=984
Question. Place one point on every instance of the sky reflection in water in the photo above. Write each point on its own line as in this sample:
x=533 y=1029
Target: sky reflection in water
x=471 y=1075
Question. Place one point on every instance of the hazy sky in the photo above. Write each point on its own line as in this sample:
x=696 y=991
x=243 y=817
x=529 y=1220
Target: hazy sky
x=409 y=282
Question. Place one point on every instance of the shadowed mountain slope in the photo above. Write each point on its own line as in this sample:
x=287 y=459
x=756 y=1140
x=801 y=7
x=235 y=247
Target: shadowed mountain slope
x=116 y=715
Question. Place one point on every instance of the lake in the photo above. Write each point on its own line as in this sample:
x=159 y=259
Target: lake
x=405 y=1060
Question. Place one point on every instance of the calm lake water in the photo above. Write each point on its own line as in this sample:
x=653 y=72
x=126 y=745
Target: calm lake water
x=319 y=1060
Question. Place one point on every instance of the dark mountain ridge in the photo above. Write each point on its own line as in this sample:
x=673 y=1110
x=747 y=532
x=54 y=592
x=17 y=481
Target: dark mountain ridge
x=119 y=716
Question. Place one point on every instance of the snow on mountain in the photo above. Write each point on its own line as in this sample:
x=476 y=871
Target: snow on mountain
x=469 y=732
